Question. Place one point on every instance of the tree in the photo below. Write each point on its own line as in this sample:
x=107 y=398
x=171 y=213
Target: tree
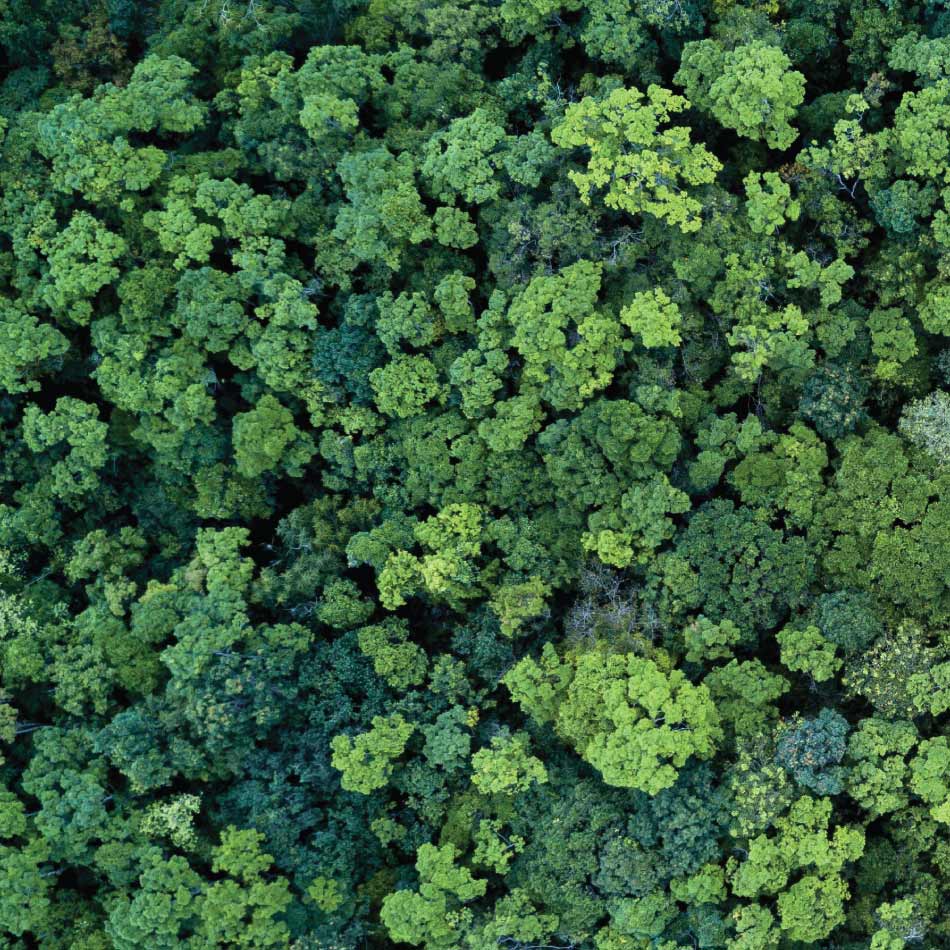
x=396 y=659
x=82 y=259
x=569 y=347
x=514 y=918
x=88 y=139
x=25 y=902
x=165 y=903
x=919 y=128
x=803 y=839
x=884 y=674
x=769 y=202
x=655 y=317
x=812 y=907
x=755 y=929
x=405 y=385
x=810 y=749
x=815 y=900
x=924 y=423
x=266 y=437
x=645 y=168
x=632 y=721
x=893 y=340
x=367 y=761
x=900 y=922
x=853 y=155
x=833 y=401
x=464 y=160
x=453 y=540
x=745 y=571
x=407 y=318
x=244 y=909
x=28 y=349
x=609 y=463
x=519 y=602
x=434 y=914
x=73 y=435
x=744 y=693
x=505 y=766
x=751 y=88
x=384 y=213
x=706 y=640
x=807 y=651
x=929 y=772
x=878 y=777
x=848 y=619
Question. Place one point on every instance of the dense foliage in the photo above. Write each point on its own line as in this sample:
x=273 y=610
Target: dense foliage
x=475 y=474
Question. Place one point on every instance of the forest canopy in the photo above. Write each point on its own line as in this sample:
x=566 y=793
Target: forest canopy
x=474 y=474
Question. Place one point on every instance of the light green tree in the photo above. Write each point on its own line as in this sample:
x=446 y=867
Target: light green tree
x=751 y=88
x=505 y=766
x=434 y=915
x=631 y=720
x=807 y=651
x=644 y=164
x=655 y=317
x=930 y=776
x=367 y=761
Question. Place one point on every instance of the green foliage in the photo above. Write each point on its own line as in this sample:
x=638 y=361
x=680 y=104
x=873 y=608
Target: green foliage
x=924 y=423
x=644 y=167
x=760 y=790
x=506 y=766
x=751 y=88
x=655 y=317
x=81 y=261
x=367 y=761
x=405 y=385
x=460 y=161
x=238 y=910
x=244 y=909
x=474 y=474
x=740 y=568
x=706 y=640
x=73 y=435
x=28 y=349
x=899 y=923
x=396 y=659
x=568 y=346
x=807 y=651
x=929 y=774
x=832 y=401
x=516 y=603
x=769 y=202
x=266 y=437
x=384 y=212
x=493 y=849
x=810 y=750
x=878 y=777
x=848 y=619
x=812 y=907
x=744 y=693
x=434 y=914
x=632 y=721
x=174 y=819
x=884 y=675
